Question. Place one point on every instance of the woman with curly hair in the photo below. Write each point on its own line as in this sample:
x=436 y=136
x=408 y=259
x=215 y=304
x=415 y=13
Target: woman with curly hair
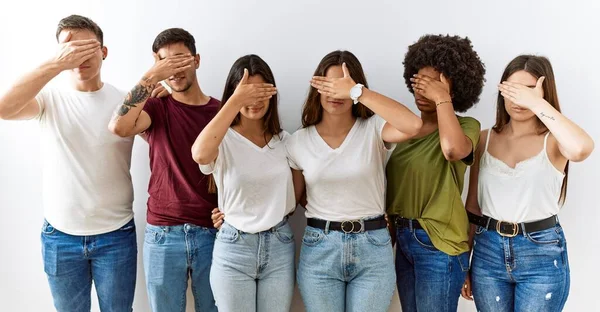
x=516 y=188
x=425 y=174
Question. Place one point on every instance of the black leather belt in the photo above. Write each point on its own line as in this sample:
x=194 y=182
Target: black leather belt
x=350 y=226
x=512 y=229
x=402 y=223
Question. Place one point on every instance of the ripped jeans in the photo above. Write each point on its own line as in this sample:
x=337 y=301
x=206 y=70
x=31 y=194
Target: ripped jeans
x=528 y=272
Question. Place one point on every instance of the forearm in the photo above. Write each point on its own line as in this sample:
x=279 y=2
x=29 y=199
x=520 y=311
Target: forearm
x=26 y=88
x=125 y=119
x=455 y=145
x=575 y=143
x=206 y=146
x=393 y=112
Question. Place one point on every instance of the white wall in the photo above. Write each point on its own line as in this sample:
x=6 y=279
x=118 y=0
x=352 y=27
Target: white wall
x=292 y=36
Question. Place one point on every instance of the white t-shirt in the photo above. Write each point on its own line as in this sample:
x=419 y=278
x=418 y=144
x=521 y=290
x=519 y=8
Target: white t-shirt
x=346 y=183
x=254 y=184
x=87 y=186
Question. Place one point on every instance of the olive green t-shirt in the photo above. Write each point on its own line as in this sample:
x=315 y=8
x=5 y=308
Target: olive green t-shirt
x=423 y=185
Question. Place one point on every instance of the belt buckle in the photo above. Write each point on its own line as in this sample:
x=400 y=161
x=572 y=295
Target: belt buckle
x=351 y=230
x=515 y=229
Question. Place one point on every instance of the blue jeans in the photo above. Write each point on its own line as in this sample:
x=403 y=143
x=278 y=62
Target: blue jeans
x=253 y=272
x=172 y=255
x=528 y=272
x=428 y=279
x=346 y=272
x=73 y=262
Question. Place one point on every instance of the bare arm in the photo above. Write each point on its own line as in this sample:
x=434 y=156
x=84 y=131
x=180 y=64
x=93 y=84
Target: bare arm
x=129 y=118
x=19 y=101
x=206 y=147
x=573 y=142
x=402 y=123
x=455 y=144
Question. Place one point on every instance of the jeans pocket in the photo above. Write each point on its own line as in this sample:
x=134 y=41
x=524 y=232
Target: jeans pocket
x=423 y=239
x=154 y=235
x=285 y=234
x=312 y=236
x=379 y=237
x=464 y=261
x=228 y=234
x=47 y=228
x=544 y=237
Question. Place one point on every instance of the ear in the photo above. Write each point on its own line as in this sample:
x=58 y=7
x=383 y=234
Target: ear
x=104 y=52
x=197 y=60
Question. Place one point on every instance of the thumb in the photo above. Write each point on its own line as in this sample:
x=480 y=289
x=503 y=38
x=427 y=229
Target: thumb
x=540 y=82
x=244 y=77
x=67 y=37
x=345 y=70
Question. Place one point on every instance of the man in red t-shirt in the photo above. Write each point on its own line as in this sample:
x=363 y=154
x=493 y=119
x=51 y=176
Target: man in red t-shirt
x=179 y=235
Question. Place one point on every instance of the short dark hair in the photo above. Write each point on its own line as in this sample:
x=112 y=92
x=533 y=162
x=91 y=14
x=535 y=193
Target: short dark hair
x=174 y=35
x=454 y=57
x=80 y=22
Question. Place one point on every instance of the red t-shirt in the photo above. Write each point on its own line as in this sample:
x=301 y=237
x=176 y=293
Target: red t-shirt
x=178 y=190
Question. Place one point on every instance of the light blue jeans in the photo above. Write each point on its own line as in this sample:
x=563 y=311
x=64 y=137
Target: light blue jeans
x=73 y=262
x=346 y=272
x=528 y=272
x=172 y=255
x=253 y=272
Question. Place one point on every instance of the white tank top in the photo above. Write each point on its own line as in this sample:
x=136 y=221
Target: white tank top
x=526 y=193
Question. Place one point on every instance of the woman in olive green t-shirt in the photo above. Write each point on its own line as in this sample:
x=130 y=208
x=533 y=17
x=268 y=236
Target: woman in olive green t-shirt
x=425 y=175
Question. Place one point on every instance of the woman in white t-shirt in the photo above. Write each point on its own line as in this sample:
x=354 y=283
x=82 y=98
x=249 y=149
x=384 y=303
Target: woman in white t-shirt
x=243 y=148
x=346 y=261
x=517 y=186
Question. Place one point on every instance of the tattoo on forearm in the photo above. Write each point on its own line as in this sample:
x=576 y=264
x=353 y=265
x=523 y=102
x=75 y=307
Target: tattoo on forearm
x=542 y=115
x=137 y=95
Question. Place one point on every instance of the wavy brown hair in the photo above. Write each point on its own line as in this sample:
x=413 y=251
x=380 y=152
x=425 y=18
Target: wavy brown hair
x=312 y=111
x=255 y=66
x=537 y=66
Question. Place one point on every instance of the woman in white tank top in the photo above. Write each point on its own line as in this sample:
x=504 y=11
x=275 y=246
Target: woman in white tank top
x=516 y=189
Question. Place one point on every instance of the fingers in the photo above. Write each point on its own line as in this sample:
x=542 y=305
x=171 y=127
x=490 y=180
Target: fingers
x=244 y=77
x=218 y=224
x=508 y=97
x=507 y=89
x=345 y=70
x=79 y=43
x=321 y=78
x=329 y=94
x=540 y=82
x=159 y=92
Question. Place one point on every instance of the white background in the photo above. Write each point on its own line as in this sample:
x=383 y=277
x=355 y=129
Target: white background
x=292 y=36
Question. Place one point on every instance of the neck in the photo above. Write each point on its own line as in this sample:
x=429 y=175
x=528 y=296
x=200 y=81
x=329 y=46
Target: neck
x=91 y=85
x=192 y=96
x=336 y=123
x=519 y=128
x=429 y=117
x=251 y=127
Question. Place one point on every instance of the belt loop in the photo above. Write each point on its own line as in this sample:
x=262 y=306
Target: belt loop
x=327 y=228
x=487 y=224
x=362 y=225
x=410 y=225
x=522 y=225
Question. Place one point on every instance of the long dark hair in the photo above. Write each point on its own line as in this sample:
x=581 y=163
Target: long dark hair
x=537 y=66
x=312 y=112
x=255 y=66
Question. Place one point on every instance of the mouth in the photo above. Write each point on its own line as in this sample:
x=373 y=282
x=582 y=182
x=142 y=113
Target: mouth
x=176 y=79
x=518 y=109
x=255 y=109
x=335 y=103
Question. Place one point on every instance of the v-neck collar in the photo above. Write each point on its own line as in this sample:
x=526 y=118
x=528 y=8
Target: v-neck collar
x=344 y=143
x=250 y=143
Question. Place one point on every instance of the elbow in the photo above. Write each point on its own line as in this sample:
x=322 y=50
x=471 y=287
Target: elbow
x=198 y=155
x=115 y=128
x=415 y=127
x=451 y=154
x=582 y=152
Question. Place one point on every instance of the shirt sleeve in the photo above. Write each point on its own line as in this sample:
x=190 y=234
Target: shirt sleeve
x=291 y=146
x=43 y=100
x=216 y=164
x=472 y=128
x=151 y=108
x=378 y=123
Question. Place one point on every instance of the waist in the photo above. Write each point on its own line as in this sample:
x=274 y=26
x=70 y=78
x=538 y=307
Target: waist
x=512 y=229
x=349 y=226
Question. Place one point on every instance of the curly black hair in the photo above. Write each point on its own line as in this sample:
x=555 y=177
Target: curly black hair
x=454 y=57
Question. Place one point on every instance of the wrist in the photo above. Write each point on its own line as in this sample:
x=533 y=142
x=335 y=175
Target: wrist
x=149 y=79
x=53 y=66
x=538 y=105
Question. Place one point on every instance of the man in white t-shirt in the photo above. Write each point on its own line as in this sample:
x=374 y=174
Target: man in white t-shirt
x=89 y=232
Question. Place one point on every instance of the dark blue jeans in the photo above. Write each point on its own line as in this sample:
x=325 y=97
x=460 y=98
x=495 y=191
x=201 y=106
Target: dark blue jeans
x=529 y=272
x=73 y=262
x=427 y=278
